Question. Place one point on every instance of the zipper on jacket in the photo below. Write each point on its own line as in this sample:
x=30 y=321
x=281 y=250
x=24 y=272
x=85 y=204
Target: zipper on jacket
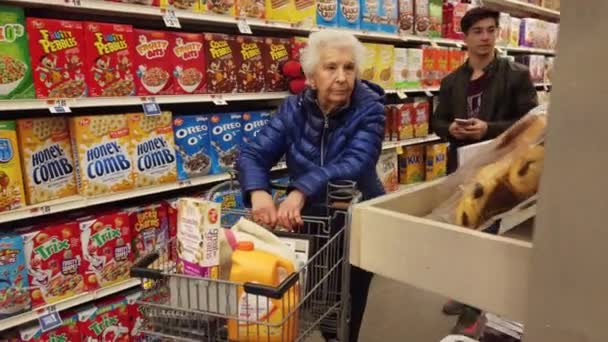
x=325 y=127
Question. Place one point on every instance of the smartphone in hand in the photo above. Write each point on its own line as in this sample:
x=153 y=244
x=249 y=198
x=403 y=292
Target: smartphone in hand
x=464 y=122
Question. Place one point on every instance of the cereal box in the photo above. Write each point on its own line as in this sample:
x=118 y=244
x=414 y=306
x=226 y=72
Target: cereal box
x=56 y=50
x=436 y=161
x=421 y=117
x=305 y=14
x=400 y=68
x=429 y=66
x=109 y=59
x=452 y=15
x=389 y=13
x=15 y=71
x=388 y=170
x=389 y=118
x=188 y=62
x=251 y=8
x=368 y=68
x=280 y=10
x=456 y=58
x=514 y=32
x=14 y=294
x=370 y=15
x=441 y=65
x=411 y=165
x=404 y=121
x=106 y=249
x=251 y=75
x=48 y=163
x=297 y=44
x=153 y=148
x=222 y=7
x=327 y=13
x=422 y=15
x=435 y=18
x=136 y=314
x=413 y=79
x=102 y=149
x=171 y=207
x=504 y=26
x=226 y=137
x=188 y=5
x=276 y=52
x=67 y=332
x=527 y=31
x=253 y=122
x=229 y=199
x=106 y=321
x=149 y=229
x=11 y=183
x=192 y=145
x=54 y=260
x=406 y=16
x=222 y=59
x=153 y=66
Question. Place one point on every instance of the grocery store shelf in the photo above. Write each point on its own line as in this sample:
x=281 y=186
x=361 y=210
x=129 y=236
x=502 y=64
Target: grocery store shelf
x=415 y=90
x=522 y=8
x=394 y=144
x=65 y=304
x=524 y=49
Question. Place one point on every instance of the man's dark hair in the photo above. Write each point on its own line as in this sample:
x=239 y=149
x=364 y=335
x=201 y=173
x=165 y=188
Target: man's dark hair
x=475 y=15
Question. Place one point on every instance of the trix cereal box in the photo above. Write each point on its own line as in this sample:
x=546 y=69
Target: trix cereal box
x=106 y=321
x=153 y=62
x=222 y=58
x=48 y=162
x=327 y=13
x=15 y=72
x=149 y=229
x=135 y=312
x=106 y=249
x=276 y=52
x=251 y=8
x=251 y=76
x=56 y=50
x=153 y=148
x=349 y=14
x=54 y=260
x=192 y=145
x=11 y=184
x=253 y=122
x=109 y=59
x=102 y=149
x=188 y=62
x=226 y=137
x=14 y=294
x=67 y=332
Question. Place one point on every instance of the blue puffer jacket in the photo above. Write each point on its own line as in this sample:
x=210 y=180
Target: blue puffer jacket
x=345 y=146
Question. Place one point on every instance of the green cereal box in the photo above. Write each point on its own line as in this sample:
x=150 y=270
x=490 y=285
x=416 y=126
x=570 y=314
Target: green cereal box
x=15 y=71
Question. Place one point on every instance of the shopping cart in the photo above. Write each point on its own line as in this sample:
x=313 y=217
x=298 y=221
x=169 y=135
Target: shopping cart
x=179 y=307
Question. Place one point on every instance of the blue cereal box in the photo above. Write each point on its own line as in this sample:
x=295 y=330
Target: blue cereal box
x=192 y=145
x=350 y=14
x=327 y=13
x=253 y=122
x=14 y=294
x=230 y=199
x=370 y=15
x=389 y=14
x=226 y=139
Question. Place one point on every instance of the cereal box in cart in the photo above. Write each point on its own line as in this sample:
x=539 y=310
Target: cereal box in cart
x=251 y=75
x=109 y=59
x=107 y=320
x=14 y=293
x=15 y=71
x=192 y=145
x=149 y=229
x=57 y=51
x=67 y=332
x=153 y=67
x=222 y=60
x=188 y=62
x=11 y=183
x=276 y=52
x=48 y=161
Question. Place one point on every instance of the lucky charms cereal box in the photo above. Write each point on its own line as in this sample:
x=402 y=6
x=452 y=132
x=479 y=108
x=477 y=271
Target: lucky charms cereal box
x=15 y=71
x=149 y=229
x=153 y=66
x=11 y=184
x=14 y=294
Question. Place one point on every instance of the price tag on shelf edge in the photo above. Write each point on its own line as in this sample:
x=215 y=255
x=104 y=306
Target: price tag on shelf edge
x=60 y=107
x=150 y=107
x=243 y=26
x=185 y=183
x=49 y=319
x=218 y=100
x=428 y=93
x=171 y=19
x=399 y=149
x=401 y=94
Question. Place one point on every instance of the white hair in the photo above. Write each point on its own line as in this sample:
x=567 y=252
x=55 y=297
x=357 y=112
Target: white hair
x=317 y=41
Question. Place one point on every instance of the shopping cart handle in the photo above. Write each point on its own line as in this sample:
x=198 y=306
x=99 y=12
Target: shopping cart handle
x=140 y=268
x=272 y=292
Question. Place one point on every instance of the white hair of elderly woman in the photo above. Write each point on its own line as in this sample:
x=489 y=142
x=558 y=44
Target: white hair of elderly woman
x=317 y=41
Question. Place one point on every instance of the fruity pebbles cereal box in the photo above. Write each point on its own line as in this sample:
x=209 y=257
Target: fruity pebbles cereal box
x=48 y=164
x=192 y=145
x=106 y=249
x=251 y=75
x=108 y=320
x=149 y=229
x=108 y=52
x=67 y=332
x=188 y=61
x=153 y=148
x=15 y=71
x=11 y=184
x=153 y=62
x=54 y=260
x=56 y=51
x=226 y=137
x=14 y=294
x=102 y=151
x=222 y=58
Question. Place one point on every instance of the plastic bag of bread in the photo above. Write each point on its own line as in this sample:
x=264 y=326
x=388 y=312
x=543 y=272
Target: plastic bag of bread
x=503 y=174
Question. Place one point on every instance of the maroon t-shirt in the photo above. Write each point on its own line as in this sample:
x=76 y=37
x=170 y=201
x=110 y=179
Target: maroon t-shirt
x=474 y=93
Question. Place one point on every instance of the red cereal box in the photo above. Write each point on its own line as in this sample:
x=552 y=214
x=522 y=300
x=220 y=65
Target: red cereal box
x=108 y=320
x=222 y=59
x=109 y=59
x=149 y=229
x=136 y=315
x=153 y=62
x=67 y=332
x=422 y=109
x=188 y=62
x=171 y=206
x=441 y=65
x=251 y=75
x=54 y=261
x=404 y=122
x=276 y=52
x=429 y=71
x=56 y=50
x=106 y=249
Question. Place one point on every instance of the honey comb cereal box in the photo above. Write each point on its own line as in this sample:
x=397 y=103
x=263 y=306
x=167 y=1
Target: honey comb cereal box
x=327 y=13
x=406 y=16
x=188 y=61
x=14 y=294
x=280 y=10
x=109 y=59
x=106 y=249
x=54 y=261
x=15 y=71
x=411 y=165
x=370 y=15
x=276 y=52
x=47 y=157
x=385 y=58
x=149 y=229
x=11 y=183
x=56 y=50
x=102 y=148
x=108 y=320
x=421 y=116
x=436 y=161
x=251 y=8
x=253 y=122
x=153 y=66
x=192 y=145
x=222 y=59
x=251 y=75
x=226 y=137
x=68 y=331
x=368 y=67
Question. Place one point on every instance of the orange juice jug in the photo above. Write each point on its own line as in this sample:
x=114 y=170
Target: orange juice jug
x=258 y=267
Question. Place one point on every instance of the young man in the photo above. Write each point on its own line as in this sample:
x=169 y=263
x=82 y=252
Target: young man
x=477 y=102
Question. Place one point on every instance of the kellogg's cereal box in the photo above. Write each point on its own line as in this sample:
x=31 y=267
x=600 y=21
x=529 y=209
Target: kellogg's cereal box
x=106 y=249
x=192 y=145
x=153 y=66
x=56 y=50
x=411 y=165
x=276 y=52
x=109 y=59
x=11 y=184
x=106 y=321
x=368 y=67
x=251 y=75
x=406 y=16
x=327 y=13
x=226 y=137
x=153 y=148
x=388 y=170
x=14 y=294
x=48 y=162
x=15 y=71
x=102 y=149
x=149 y=229
x=251 y=8
x=385 y=58
x=54 y=260
x=67 y=332
x=370 y=15
x=280 y=10
x=253 y=122
x=222 y=58
x=436 y=161
x=389 y=15
x=188 y=61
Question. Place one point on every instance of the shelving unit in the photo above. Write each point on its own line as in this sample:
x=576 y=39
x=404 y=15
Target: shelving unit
x=522 y=8
x=415 y=141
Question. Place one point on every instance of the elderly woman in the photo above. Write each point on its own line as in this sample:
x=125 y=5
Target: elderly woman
x=332 y=131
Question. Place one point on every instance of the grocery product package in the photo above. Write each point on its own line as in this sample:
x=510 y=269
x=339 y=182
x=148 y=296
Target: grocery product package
x=149 y=229
x=385 y=57
x=421 y=116
x=514 y=32
x=106 y=320
x=276 y=52
x=222 y=59
x=250 y=8
x=388 y=170
x=504 y=29
x=153 y=62
x=253 y=122
x=368 y=67
x=405 y=120
x=412 y=165
x=251 y=75
x=68 y=331
x=327 y=13
x=423 y=21
x=435 y=18
x=188 y=63
x=226 y=137
x=14 y=294
x=406 y=16
x=389 y=15
x=226 y=7
x=370 y=12
x=436 y=161
x=16 y=74
x=11 y=182
x=192 y=145
x=348 y=16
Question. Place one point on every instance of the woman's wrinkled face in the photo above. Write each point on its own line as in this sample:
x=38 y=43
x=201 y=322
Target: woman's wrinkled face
x=334 y=77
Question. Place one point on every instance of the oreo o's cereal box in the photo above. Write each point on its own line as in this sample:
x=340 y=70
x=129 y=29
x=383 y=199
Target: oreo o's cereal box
x=192 y=145
x=226 y=136
x=253 y=122
x=14 y=294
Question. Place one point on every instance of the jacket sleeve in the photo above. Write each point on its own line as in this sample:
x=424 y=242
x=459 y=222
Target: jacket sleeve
x=443 y=116
x=361 y=154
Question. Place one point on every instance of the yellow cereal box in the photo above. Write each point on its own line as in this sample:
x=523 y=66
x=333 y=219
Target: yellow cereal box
x=411 y=165
x=11 y=184
x=305 y=14
x=153 y=152
x=102 y=148
x=368 y=67
x=436 y=161
x=47 y=159
x=280 y=10
x=385 y=58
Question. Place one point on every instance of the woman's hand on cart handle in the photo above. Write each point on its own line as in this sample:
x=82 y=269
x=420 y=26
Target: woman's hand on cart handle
x=290 y=210
x=263 y=209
